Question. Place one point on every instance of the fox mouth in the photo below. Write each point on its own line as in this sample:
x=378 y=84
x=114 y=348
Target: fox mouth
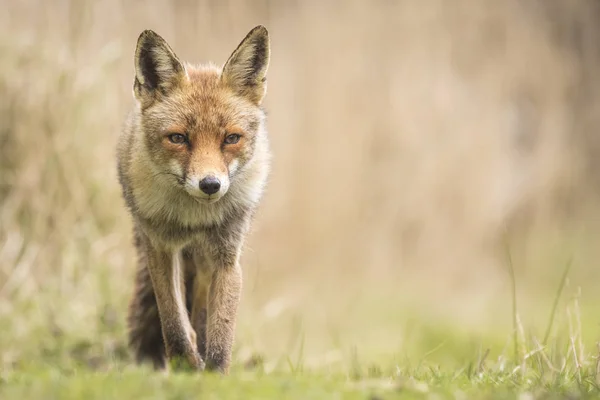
x=206 y=200
x=202 y=198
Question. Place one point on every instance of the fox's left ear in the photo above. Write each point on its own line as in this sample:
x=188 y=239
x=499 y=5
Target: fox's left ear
x=246 y=69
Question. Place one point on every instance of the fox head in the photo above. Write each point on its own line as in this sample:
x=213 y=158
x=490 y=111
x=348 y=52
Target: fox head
x=201 y=125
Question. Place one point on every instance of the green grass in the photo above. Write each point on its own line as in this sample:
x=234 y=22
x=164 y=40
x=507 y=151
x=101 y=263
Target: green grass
x=440 y=363
x=377 y=382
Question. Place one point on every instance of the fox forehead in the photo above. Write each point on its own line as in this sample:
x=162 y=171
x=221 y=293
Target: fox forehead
x=203 y=103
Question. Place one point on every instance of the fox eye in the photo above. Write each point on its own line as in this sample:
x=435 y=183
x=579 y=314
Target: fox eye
x=233 y=138
x=177 y=138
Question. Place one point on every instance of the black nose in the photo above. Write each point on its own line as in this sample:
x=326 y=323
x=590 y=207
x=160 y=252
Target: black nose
x=210 y=185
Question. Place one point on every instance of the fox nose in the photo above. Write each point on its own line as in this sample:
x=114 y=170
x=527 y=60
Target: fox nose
x=210 y=185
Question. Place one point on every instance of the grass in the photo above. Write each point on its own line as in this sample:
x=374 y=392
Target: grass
x=437 y=361
x=143 y=384
x=480 y=378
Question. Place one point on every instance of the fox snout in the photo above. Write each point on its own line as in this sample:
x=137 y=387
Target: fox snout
x=210 y=185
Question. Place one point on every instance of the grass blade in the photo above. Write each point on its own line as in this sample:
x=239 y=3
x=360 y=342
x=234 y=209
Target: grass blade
x=513 y=286
x=556 y=299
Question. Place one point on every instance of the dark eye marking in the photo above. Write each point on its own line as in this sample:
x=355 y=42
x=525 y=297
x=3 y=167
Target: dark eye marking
x=177 y=138
x=232 y=138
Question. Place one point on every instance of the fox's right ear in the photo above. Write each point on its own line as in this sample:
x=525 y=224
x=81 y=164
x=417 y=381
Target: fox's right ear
x=157 y=69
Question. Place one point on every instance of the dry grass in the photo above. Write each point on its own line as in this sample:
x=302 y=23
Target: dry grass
x=410 y=141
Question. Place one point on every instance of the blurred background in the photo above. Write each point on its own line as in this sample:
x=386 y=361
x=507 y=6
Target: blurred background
x=421 y=151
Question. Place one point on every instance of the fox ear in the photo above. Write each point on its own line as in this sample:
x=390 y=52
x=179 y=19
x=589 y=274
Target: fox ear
x=246 y=69
x=157 y=68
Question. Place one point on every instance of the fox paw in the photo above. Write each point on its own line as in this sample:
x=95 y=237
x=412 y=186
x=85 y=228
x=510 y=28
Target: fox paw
x=190 y=363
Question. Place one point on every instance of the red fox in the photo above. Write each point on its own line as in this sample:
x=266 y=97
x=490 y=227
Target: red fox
x=193 y=161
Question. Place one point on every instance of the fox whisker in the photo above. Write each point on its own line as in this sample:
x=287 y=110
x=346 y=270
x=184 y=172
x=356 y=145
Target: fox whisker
x=179 y=179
